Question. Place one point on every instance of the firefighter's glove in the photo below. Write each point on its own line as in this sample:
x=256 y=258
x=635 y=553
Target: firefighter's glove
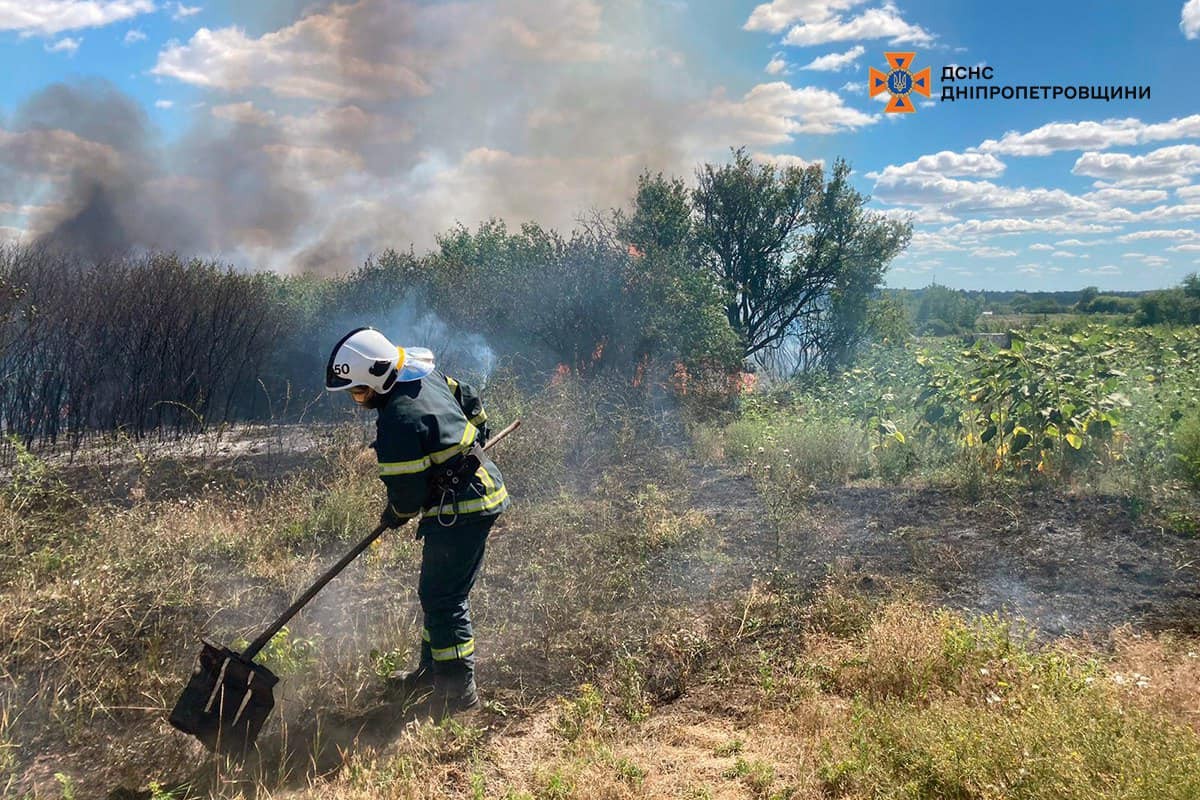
x=390 y=519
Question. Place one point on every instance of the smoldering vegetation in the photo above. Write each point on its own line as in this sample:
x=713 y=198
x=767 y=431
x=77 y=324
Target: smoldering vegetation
x=675 y=291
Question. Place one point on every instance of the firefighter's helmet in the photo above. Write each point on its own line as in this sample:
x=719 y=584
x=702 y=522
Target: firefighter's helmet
x=365 y=357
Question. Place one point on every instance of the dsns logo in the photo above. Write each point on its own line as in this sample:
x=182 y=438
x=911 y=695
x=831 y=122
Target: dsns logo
x=900 y=82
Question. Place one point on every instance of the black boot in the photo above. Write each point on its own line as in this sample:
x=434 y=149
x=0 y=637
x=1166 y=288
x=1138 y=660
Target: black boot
x=414 y=685
x=453 y=688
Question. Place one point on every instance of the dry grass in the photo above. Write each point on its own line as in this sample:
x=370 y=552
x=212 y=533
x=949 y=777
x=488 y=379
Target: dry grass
x=603 y=677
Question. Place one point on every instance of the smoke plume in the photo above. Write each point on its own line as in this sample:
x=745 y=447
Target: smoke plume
x=358 y=126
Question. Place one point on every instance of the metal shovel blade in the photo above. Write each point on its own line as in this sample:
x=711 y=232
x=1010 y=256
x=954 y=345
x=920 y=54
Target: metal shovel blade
x=226 y=701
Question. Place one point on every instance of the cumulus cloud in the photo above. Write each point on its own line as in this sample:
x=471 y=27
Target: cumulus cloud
x=1090 y=135
x=945 y=163
x=164 y=103
x=1023 y=225
x=1113 y=197
x=875 y=23
x=1159 y=213
x=1177 y=161
x=183 y=12
x=1184 y=248
x=772 y=113
x=964 y=196
x=49 y=17
x=1178 y=233
x=132 y=36
x=835 y=62
x=1189 y=21
x=1188 y=192
x=777 y=15
x=992 y=252
x=64 y=45
x=1107 y=269
x=1040 y=246
x=777 y=65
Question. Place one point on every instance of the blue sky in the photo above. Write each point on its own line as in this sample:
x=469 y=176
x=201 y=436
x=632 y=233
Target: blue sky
x=298 y=135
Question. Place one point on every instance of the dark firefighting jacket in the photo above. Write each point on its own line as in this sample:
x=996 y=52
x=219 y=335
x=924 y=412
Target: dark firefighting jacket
x=426 y=424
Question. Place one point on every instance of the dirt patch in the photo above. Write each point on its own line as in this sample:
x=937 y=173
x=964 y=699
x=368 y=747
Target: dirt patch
x=1067 y=564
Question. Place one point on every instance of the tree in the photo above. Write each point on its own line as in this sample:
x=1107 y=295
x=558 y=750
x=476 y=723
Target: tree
x=1089 y=294
x=683 y=313
x=794 y=257
x=943 y=311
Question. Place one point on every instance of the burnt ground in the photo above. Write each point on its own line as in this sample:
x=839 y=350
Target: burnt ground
x=1069 y=565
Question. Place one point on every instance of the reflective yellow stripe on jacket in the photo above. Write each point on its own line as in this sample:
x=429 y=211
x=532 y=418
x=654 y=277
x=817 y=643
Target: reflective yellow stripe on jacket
x=440 y=457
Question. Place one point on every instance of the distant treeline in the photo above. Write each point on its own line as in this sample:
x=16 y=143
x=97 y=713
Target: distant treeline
x=939 y=310
x=779 y=266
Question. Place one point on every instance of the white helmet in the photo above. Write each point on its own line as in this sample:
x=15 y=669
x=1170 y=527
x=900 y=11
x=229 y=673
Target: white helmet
x=365 y=357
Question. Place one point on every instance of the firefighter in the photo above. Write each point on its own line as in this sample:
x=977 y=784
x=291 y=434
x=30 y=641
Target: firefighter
x=430 y=430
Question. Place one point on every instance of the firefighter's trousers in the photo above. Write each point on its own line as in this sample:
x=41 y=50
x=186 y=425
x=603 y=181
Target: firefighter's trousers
x=450 y=562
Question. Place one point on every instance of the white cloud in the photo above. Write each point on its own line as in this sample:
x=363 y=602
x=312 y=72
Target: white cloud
x=1111 y=197
x=776 y=65
x=1188 y=192
x=772 y=113
x=1189 y=21
x=778 y=14
x=992 y=252
x=64 y=45
x=854 y=87
x=1186 y=211
x=963 y=196
x=1023 y=225
x=1040 y=246
x=1184 y=248
x=1107 y=269
x=933 y=242
x=1146 y=258
x=835 y=62
x=1179 y=233
x=132 y=36
x=1174 y=161
x=1080 y=243
x=1091 y=135
x=163 y=103
x=945 y=163
x=182 y=11
x=875 y=23
x=1064 y=254
x=48 y=17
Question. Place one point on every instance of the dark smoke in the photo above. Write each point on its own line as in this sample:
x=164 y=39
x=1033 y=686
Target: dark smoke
x=372 y=124
x=216 y=191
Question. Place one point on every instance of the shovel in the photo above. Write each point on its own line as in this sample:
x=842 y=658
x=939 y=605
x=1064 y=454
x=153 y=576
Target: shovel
x=228 y=697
